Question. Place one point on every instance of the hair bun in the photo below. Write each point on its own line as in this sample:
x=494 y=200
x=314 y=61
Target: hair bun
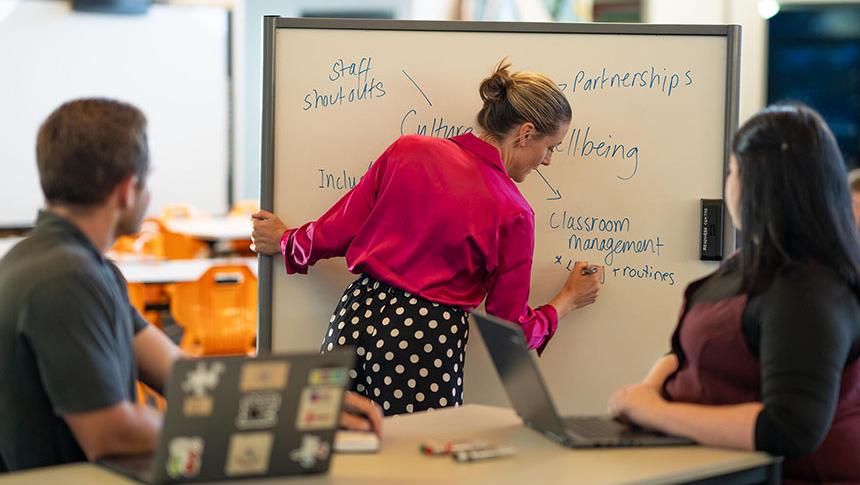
x=512 y=98
x=495 y=88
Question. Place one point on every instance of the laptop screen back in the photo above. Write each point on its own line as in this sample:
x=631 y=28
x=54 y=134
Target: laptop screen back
x=238 y=417
x=519 y=374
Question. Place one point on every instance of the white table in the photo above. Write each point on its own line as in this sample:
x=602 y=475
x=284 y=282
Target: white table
x=213 y=229
x=175 y=270
x=538 y=460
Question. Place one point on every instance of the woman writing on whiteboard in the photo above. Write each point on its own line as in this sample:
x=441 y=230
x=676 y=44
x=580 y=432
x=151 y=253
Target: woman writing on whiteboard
x=765 y=354
x=434 y=227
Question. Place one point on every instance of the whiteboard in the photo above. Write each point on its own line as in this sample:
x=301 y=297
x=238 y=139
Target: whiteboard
x=634 y=209
x=171 y=63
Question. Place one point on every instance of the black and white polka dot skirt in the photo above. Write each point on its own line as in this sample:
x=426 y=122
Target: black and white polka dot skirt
x=410 y=350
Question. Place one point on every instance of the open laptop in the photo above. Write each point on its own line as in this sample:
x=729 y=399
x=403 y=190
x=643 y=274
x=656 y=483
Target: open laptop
x=244 y=417
x=531 y=400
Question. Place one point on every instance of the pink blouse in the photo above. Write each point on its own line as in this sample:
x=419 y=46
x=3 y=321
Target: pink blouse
x=439 y=218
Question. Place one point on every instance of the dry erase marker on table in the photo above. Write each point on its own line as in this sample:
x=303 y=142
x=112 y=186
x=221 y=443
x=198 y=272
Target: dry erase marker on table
x=484 y=454
x=440 y=447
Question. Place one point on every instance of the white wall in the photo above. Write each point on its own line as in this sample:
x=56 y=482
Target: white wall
x=433 y=9
x=753 y=37
x=171 y=63
x=684 y=11
x=753 y=89
x=753 y=94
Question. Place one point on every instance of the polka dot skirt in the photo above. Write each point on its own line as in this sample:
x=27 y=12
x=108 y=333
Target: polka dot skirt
x=410 y=351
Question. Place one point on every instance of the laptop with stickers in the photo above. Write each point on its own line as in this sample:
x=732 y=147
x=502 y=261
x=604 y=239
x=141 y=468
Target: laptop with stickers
x=246 y=417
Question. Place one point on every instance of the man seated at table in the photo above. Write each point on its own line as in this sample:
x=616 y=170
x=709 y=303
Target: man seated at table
x=71 y=345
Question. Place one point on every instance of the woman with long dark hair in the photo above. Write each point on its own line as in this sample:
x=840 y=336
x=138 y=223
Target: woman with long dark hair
x=765 y=354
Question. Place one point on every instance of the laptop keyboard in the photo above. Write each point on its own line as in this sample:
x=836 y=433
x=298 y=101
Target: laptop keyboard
x=595 y=427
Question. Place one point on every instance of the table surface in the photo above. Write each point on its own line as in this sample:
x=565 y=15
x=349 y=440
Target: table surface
x=150 y=270
x=175 y=270
x=538 y=460
x=227 y=228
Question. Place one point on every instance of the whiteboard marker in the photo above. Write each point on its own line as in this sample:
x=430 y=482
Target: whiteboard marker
x=485 y=454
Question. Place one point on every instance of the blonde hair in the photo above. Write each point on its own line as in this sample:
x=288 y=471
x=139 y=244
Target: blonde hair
x=514 y=98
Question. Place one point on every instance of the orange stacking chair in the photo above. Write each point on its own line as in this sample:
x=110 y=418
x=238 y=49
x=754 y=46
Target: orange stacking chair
x=145 y=394
x=179 y=211
x=180 y=246
x=176 y=245
x=148 y=243
x=140 y=295
x=218 y=312
x=149 y=397
x=137 y=296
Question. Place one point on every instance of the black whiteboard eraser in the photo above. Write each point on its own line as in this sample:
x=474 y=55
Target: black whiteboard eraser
x=711 y=230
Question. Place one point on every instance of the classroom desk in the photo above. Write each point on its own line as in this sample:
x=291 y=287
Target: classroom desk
x=538 y=460
x=213 y=229
x=174 y=270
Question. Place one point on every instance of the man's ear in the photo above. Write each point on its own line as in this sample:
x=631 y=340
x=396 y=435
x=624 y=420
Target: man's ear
x=126 y=191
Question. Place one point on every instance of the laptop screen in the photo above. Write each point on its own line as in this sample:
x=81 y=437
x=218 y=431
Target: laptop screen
x=519 y=374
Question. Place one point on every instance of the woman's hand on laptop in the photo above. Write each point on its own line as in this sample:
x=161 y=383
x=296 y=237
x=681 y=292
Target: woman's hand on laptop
x=639 y=403
x=360 y=414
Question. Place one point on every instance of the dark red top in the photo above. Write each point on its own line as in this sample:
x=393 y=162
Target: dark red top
x=717 y=366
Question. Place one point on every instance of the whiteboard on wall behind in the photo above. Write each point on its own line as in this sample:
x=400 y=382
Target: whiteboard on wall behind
x=171 y=63
x=644 y=196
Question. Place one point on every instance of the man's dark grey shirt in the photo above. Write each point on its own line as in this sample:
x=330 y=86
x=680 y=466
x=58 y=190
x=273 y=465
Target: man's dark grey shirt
x=66 y=331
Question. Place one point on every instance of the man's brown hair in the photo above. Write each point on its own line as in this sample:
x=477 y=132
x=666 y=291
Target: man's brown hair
x=88 y=146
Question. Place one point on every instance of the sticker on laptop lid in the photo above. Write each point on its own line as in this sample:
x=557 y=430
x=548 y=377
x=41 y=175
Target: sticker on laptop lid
x=263 y=376
x=249 y=453
x=197 y=406
x=186 y=455
x=328 y=376
x=203 y=378
x=258 y=410
x=318 y=407
x=312 y=450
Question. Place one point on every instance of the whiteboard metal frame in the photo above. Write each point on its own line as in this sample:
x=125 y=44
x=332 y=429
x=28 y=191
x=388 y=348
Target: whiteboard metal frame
x=271 y=24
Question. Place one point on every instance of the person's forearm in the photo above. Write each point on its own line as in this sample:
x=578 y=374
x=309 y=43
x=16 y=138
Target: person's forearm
x=661 y=370
x=730 y=426
x=138 y=434
x=579 y=290
x=158 y=379
x=124 y=428
x=563 y=303
x=155 y=354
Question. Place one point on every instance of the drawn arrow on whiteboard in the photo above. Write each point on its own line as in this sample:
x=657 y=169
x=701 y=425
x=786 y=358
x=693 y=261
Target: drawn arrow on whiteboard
x=554 y=191
x=417 y=86
x=562 y=86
